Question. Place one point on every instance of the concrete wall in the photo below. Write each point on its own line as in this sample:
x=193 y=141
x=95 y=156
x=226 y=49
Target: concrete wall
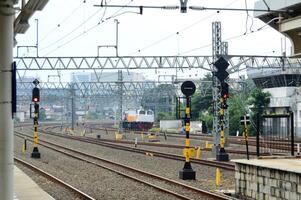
x=166 y=125
x=195 y=127
x=176 y=125
x=253 y=182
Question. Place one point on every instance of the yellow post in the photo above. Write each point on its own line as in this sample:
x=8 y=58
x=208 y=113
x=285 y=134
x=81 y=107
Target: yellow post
x=142 y=136
x=218 y=177
x=35 y=132
x=198 y=153
x=187 y=142
x=23 y=148
x=35 y=152
x=208 y=145
x=222 y=140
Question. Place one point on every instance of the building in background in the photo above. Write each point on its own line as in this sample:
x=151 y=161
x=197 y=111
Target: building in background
x=285 y=90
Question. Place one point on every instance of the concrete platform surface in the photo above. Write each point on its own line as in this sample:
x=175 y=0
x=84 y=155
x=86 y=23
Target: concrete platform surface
x=26 y=189
x=285 y=164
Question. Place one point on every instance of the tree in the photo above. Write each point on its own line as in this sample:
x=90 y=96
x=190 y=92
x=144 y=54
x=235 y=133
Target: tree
x=207 y=119
x=237 y=109
x=164 y=116
x=159 y=99
x=259 y=101
x=201 y=104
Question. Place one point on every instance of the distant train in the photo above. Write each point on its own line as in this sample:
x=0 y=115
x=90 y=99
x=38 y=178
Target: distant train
x=138 y=120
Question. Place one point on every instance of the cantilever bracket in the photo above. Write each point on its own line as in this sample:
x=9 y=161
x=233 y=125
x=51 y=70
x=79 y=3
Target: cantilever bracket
x=183 y=6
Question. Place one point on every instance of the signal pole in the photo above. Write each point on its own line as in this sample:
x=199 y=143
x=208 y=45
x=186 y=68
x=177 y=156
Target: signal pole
x=220 y=114
x=120 y=99
x=72 y=106
x=187 y=173
x=221 y=74
x=35 y=98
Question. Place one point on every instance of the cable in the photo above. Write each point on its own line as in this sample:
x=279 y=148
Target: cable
x=91 y=28
x=230 y=38
x=266 y=5
x=172 y=34
x=63 y=21
x=247 y=19
x=68 y=34
x=177 y=32
x=247 y=16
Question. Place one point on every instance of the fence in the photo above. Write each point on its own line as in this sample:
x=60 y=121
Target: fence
x=275 y=134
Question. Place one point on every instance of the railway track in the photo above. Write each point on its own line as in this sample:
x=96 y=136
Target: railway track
x=172 y=187
x=75 y=191
x=234 y=139
x=200 y=137
x=222 y=165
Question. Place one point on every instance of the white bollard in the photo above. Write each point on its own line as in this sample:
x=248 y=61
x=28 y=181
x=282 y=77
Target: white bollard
x=298 y=149
x=136 y=141
x=237 y=133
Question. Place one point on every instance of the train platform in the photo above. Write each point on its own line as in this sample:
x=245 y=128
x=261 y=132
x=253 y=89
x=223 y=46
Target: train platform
x=288 y=164
x=268 y=178
x=26 y=189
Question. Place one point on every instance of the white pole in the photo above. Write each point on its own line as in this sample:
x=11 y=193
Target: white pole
x=6 y=124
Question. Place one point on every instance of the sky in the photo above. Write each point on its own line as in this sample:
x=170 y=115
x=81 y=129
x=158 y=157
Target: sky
x=78 y=28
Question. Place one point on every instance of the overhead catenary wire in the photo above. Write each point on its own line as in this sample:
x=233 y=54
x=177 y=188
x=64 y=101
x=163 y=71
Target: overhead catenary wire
x=72 y=31
x=177 y=32
x=247 y=18
x=268 y=7
x=227 y=39
x=62 y=22
x=102 y=20
x=171 y=35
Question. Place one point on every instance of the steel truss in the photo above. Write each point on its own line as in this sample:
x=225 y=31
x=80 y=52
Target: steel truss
x=237 y=62
x=102 y=89
x=86 y=89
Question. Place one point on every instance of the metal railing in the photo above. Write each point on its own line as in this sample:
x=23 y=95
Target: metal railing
x=275 y=134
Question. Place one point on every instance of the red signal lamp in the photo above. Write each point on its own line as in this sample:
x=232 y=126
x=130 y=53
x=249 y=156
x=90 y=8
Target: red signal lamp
x=226 y=96
x=36 y=95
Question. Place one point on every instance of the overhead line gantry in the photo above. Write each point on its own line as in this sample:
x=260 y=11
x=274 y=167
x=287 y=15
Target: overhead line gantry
x=237 y=62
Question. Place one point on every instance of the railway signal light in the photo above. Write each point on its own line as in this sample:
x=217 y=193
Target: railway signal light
x=221 y=65
x=224 y=90
x=35 y=98
x=36 y=95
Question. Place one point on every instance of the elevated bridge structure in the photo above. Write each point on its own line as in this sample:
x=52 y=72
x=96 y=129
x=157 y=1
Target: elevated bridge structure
x=288 y=23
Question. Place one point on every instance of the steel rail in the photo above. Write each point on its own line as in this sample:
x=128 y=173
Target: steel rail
x=54 y=179
x=222 y=165
x=200 y=191
x=176 y=135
